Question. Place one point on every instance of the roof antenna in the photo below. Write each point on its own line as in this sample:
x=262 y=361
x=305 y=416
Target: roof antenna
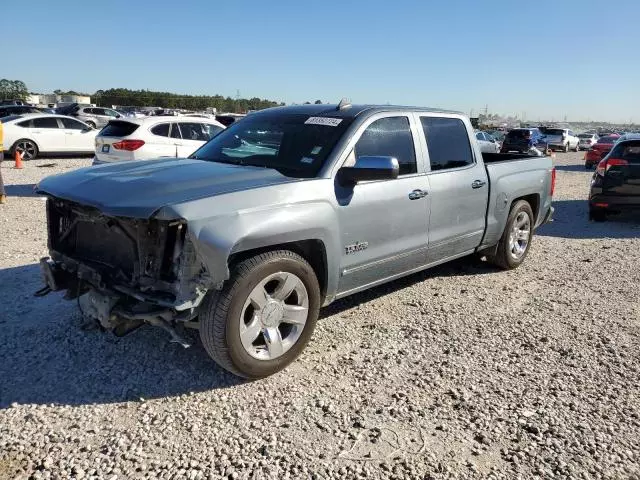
x=344 y=103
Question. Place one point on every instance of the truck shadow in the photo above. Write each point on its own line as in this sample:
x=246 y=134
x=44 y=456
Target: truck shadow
x=50 y=355
x=571 y=220
x=460 y=267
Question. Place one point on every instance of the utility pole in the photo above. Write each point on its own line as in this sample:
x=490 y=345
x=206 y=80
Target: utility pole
x=237 y=101
x=486 y=109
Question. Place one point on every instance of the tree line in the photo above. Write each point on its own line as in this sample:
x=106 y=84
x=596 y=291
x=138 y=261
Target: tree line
x=17 y=90
x=148 y=98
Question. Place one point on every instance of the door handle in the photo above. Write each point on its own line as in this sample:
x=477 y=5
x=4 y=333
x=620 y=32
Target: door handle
x=478 y=184
x=417 y=194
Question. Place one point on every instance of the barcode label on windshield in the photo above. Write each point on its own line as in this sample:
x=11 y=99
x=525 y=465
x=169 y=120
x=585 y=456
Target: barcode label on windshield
x=329 y=122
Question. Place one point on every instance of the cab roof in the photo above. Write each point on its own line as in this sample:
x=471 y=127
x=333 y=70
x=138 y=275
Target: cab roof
x=350 y=111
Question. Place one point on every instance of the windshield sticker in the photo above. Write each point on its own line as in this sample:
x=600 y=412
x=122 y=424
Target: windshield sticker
x=306 y=160
x=329 y=122
x=316 y=150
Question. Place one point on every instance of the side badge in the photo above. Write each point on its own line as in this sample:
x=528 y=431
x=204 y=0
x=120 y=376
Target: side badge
x=356 y=247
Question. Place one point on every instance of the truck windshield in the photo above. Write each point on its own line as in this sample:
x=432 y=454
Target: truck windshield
x=296 y=145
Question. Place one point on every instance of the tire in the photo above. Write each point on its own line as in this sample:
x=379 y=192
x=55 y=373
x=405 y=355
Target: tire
x=225 y=313
x=577 y=149
x=566 y=147
x=504 y=257
x=597 y=214
x=27 y=147
x=91 y=124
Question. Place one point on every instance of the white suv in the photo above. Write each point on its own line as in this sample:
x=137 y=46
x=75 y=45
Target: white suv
x=561 y=138
x=153 y=137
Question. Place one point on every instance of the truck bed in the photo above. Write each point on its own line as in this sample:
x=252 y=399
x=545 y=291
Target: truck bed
x=507 y=157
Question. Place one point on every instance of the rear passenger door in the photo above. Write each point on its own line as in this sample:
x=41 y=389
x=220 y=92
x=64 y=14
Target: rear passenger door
x=194 y=135
x=47 y=134
x=159 y=144
x=383 y=224
x=459 y=188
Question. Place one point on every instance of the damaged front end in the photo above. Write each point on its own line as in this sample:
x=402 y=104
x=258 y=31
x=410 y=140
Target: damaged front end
x=125 y=272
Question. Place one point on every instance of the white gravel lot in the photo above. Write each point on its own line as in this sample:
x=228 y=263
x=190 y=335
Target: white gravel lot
x=460 y=372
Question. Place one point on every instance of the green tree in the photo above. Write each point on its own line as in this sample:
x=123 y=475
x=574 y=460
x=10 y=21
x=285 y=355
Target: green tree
x=13 y=90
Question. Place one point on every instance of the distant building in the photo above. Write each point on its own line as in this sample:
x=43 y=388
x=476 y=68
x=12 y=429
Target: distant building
x=53 y=100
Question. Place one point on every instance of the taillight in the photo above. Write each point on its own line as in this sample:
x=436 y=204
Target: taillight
x=605 y=164
x=128 y=145
x=553 y=181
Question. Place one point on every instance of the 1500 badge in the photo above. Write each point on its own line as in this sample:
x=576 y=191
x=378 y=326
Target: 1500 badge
x=356 y=247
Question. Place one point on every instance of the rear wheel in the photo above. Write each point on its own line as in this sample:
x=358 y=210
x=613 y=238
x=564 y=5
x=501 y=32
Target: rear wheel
x=27 y=148
x=264 y=316
x=597 y=214
x=516 y=237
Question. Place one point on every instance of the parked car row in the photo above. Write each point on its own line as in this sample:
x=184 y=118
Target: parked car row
x=615 y=185
x=33 y=134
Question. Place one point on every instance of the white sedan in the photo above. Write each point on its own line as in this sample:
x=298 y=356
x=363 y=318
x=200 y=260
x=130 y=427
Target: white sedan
x=153 y=137
x=35 y=133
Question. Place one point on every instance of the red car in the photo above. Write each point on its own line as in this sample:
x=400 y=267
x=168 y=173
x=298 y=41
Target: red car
x=599 y=150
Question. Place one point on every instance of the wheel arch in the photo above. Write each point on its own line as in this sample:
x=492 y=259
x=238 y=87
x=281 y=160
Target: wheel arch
x=533 y=200
x=13 y=147
x=313 y=251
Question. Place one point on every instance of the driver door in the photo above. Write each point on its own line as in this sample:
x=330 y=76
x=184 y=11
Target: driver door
x=384 y=224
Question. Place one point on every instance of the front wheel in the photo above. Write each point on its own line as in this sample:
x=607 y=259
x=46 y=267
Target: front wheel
x=516 y=237
x=91 y=124
x=577 y=149
x=566 y=147
x=264 y=316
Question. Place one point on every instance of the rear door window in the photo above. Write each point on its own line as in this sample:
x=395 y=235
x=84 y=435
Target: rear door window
x=47 y=122
x=447 y=143
x=161 y=130
x=389 y=137
x=193 y=131
x=175 y=131
x=118 y=128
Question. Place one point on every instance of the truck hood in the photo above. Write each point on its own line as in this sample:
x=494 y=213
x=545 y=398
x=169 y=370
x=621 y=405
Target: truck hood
x=138 y=189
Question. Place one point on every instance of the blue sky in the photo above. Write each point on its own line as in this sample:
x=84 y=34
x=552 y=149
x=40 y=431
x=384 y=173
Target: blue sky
x=546 y=58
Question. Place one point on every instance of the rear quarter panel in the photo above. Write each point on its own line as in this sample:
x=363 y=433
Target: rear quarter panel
x=510 y=181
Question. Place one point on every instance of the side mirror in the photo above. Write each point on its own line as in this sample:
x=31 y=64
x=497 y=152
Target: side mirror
x=117 y=116
x=369 y=168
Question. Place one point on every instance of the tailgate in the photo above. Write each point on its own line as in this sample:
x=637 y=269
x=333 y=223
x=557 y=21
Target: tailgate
x=114 y=132
x=106 y=153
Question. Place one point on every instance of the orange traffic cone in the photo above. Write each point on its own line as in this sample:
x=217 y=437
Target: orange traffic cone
x=18 y=159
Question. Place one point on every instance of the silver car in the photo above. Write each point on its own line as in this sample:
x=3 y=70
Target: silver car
x=96 y=117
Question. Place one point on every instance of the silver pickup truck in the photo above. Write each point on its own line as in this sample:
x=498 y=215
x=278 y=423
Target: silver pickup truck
x=281 y=214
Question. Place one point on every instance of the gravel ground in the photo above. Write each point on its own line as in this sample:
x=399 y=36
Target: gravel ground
x=459 y=372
